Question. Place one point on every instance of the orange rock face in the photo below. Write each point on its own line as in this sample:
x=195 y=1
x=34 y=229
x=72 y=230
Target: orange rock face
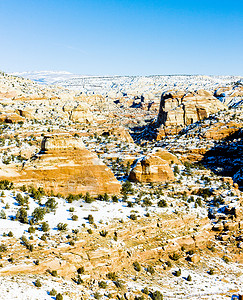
x=151 y=169
x=64 y=166
x=179 y=109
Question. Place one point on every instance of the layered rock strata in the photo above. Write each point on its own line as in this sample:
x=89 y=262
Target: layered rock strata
x=179 y=109
x=64 y=166
x=151 y=169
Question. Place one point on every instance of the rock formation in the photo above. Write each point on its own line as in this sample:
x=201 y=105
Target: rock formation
x=179 y=109
x=64 y=166
x=151 y=169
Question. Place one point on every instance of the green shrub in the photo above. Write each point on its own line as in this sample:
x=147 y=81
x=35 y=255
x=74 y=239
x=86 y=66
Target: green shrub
x=90 y=219
x=3 y=214
x=51 y=204
x=53 y=292
x=178 y=273
x=31 y=229
x=156 y=295
x=38 y=283
x=211 y=272
x=62 y=226
x=6 y=185
x=74 y=217
x=59 y=296
x=21 y=215
x=10 y=234
x=137 y=266
x=38 y=214
x=174 y=256
x=3 y=248
x=162 y=203
x=111 y=276
x=80 y=270
x=150 y=269
x=102 y=284
x=45 y=227
x=103 y=233
x=133 y=217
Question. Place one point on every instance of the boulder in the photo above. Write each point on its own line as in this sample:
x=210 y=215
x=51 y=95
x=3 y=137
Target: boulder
x=151 y=169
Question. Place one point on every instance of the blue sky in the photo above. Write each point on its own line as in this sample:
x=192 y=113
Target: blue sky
x=112 y=37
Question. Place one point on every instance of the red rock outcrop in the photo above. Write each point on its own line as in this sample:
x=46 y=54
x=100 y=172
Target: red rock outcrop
x=64 y=166
x=151 y=169
x=179 y=109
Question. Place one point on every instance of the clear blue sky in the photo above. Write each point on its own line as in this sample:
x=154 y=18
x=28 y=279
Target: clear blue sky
x=112 y=37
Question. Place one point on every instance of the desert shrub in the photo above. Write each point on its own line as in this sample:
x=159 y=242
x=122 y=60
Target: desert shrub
x=20 y=199
x=54 y=273
x=127 y=188
x=90 y=219
x=102 y=284
x=74 y=217
x=43 y=237
x=88 y=198
x=31 y=229
x=169 y=264
x=114 y=198
x=7 y=206
x=45 y=227
x=97 y=295
x=37 y=262
x=176 y=170
x=38 y=283
x=6 y=185
x=150 y=269
x=37 y=194
x=21 y=215
x=133 y=217
x=23 y=188
x=189 y=278
x=177 y=273
x=62 y=226
x=103 y=233
x=3 y=248
x=119 y=284
x=72 y=243
x=71 y=209
x=26 y=243
x=2 y=214
x=80 y=270
x=137 y=266
x=211 y=272
x=51 y=204
x=147 y=202
x=162 y=203
x=53 y=292
x=89 y=231
x=190 y=252
x=156 y=295
x=139 y=298
x=111 y=275
x=10 y=234
x=145 y=291
x=226 y=259
x=59 y=296
x=174 y=256
x=38 y=214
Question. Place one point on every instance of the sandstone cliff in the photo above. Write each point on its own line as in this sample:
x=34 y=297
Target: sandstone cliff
x=179 y=109
x=151 y=169
x=64 y=166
